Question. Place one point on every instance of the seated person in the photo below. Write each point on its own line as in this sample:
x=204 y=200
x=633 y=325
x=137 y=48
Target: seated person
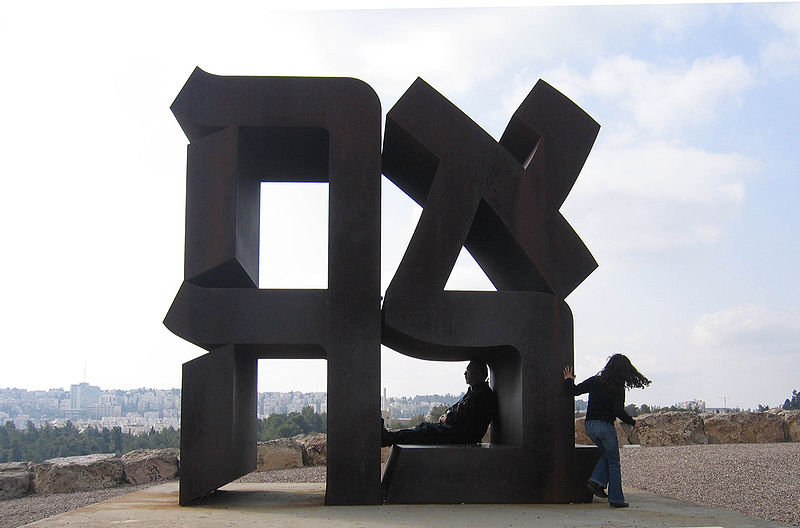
x=463 y=423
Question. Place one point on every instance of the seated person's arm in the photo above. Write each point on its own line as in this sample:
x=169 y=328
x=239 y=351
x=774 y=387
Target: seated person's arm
x=466 y=412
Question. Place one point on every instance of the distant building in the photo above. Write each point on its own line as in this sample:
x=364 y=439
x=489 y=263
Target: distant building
x=73 y=415
x=386 y=412
x=21 y=421
x=693 y=405
x=96 y=411
x=83 y=395
x=291 y=402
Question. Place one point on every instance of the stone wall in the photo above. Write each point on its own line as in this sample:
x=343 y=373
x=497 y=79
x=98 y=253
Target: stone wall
x=685 y=428
x=298 y=451
x=15 y=480
x=282 y=453
x=150 y=465
x=791 y=425
x=669 y=428
x=88 y=472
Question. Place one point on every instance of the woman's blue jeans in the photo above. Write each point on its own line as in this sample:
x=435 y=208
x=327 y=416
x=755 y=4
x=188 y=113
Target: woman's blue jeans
x=607 y=470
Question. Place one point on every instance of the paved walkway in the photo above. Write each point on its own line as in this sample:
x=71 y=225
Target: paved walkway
x=300 y=506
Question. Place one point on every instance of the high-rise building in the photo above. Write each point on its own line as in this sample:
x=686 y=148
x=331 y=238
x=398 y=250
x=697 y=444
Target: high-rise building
x=83 y=395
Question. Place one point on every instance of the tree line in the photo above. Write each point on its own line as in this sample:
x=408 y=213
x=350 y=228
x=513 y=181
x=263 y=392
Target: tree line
x=292 y=424
x=33 y=444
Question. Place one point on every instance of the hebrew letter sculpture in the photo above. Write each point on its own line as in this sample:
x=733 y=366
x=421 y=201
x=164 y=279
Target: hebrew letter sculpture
x=244 y=131
x=501 y=201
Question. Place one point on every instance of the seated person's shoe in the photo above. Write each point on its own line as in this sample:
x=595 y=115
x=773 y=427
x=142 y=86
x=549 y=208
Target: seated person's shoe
x=597 y=489
x=618 y=504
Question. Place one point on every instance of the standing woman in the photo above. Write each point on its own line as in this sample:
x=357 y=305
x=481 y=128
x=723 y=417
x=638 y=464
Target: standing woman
x=606 y=404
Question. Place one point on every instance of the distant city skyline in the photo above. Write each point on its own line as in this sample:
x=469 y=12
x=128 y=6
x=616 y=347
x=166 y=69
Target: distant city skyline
x=685 y=403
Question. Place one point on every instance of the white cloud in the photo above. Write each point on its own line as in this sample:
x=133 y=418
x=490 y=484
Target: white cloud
x=748 y=326
x=746 y=354
x=781 y=54
x=661 y=171
x=676 y=23
x=659 y=98
x=657 y=197
x=643 y=188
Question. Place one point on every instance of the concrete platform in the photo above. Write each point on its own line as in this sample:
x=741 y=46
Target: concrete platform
x=301 y=506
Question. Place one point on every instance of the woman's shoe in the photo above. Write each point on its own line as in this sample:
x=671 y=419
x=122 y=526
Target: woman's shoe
x=618 y=504
x=597 y=489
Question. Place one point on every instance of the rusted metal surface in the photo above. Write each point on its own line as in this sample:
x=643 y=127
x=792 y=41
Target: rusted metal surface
x=498 y=199
x=243 y=131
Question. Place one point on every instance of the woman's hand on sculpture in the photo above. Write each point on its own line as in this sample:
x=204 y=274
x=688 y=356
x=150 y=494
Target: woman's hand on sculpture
x=568 y=373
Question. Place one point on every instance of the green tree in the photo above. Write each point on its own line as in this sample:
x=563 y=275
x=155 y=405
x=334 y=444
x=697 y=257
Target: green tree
x=644 y=408
x=435 y=412
x=794 y=403
x=30 y=430
x=313 y=422
x=299 y=421
x=4 y=438
x=268 y=427
x=116 y=439
x=288 y=430
x=50 y=442
x=292 y=424
x=15 y=453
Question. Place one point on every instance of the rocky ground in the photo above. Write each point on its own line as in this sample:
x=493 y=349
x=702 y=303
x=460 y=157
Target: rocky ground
x=760 y=480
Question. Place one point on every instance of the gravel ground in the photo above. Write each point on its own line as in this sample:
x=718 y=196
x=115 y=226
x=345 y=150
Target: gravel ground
x=759 y=480
x=18 y=512
x=303 y=474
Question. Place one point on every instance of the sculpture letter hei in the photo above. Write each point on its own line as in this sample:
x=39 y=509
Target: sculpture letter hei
x=499 y=200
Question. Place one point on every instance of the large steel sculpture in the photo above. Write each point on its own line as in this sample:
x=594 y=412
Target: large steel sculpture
x=500 y=200
x=242 y=131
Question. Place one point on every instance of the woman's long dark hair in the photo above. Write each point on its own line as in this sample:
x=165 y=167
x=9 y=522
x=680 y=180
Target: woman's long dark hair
x=620 y=373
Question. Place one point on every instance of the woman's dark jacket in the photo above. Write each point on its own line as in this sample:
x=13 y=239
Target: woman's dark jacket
x=605 y=404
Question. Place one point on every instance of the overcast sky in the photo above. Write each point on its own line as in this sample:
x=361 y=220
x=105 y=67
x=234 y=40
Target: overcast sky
x=688 y=201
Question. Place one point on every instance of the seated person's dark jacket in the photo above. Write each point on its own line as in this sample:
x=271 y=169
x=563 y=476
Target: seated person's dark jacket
x=466 y=422
x=471 y=415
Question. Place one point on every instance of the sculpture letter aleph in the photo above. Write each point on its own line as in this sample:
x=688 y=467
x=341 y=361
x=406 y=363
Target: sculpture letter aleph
x=499 y=200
